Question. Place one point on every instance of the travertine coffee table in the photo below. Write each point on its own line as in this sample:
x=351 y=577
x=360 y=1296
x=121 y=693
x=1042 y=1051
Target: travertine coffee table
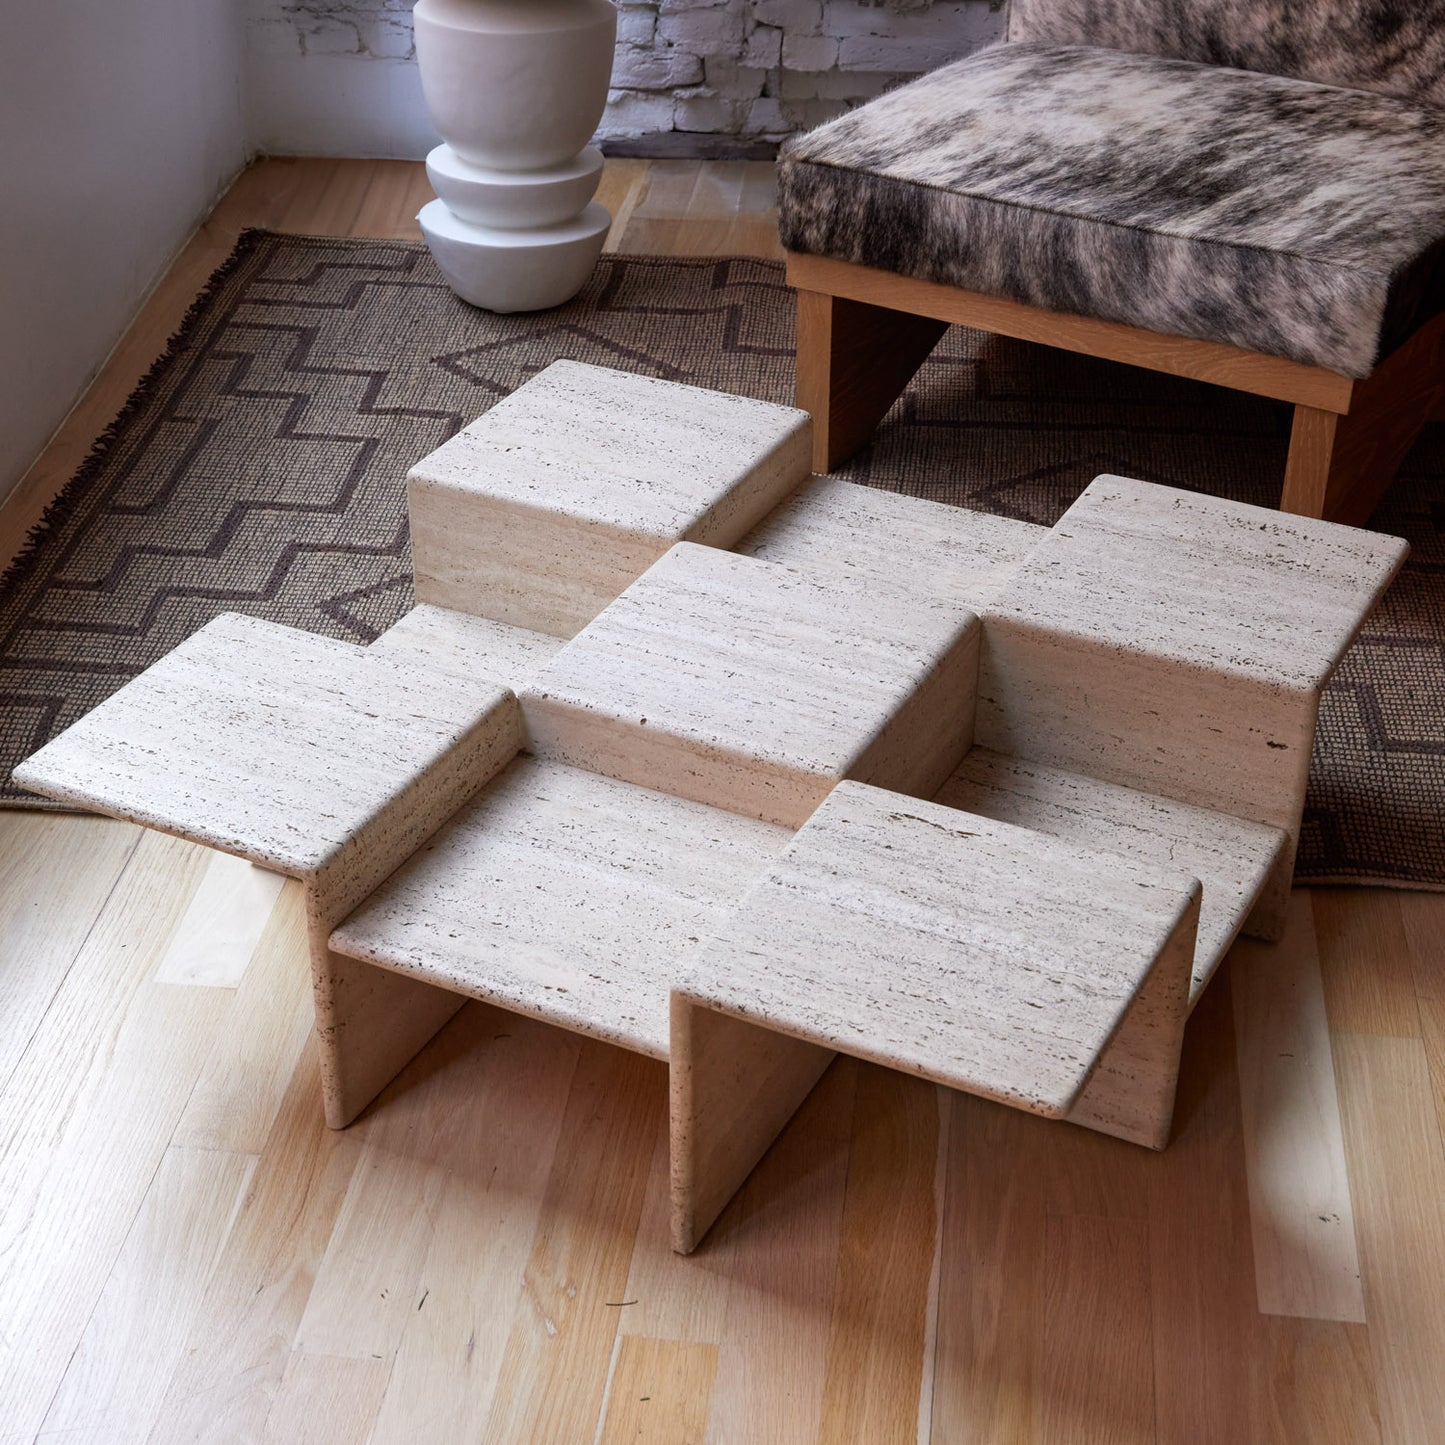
x=690 y=751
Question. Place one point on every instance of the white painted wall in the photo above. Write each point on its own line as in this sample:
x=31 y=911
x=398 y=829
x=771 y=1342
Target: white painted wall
x=121 y=122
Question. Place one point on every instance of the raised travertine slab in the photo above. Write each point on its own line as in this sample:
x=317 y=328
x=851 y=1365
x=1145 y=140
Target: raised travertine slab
x=755 y=687
x=1177 y=644
x=467 y=646
x=887 y=540
x=541 y=511
x=991 y=958
x=1231 y=857
x=564 y=895
x=273 y=743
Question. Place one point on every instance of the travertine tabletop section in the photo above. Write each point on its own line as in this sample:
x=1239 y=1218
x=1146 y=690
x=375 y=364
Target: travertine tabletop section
x=1177 y=643
x=755 y=687
x=272 y=743
x=1231 y=857
x=567 y=896
x=887 y=540
x=987 y=957
x=542 y=510
x=1201 y=583
x=467 y=646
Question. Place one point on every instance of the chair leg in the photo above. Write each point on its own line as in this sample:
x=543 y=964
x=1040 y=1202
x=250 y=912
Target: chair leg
x=1307 y=471
x=1340 y=465
x=853 y=362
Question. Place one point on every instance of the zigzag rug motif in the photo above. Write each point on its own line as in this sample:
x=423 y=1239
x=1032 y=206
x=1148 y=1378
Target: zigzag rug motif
x=261 y=468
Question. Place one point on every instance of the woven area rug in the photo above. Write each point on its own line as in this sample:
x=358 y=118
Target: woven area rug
x=260 y=468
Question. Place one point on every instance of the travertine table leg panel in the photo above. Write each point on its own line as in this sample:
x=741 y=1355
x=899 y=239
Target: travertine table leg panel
x=370 y=1024
x=754 y=687
x=1130 y=1094
x=545 y=508
x=734 y=1086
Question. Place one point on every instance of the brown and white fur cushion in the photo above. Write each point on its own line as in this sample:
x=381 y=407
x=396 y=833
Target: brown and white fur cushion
x=1396 y=47
x=1297 y=219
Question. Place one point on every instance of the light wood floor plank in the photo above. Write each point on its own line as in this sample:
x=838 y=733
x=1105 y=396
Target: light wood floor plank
x=785 y=1230
x=85 y=1120
x=1097 y=1371
x=1313 y=1381
x=55 y=876
x=1302 y=1220
x=117 y=1377
x=324 y=1400
x=1201 y=1270
x=1365 y=962
x=268 y=1025
x=878 y=1336
x=1397 y=1171
x=222 y=924
x=240 y=1343
x=409 y=1145
x=677 y=1298
x=987 y=1382
x=1423 y=916
x=389 y=203
x=659 y=1392
x=557 y=1357
x=452 y=1344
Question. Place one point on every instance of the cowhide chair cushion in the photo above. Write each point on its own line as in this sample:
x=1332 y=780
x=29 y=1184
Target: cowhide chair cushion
x=1287 y=217
x=1394 y=46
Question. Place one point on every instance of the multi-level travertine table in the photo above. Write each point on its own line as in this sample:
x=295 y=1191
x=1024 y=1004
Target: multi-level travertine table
x=737 y=767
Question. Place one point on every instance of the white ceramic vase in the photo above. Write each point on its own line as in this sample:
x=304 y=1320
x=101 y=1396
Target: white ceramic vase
x=515 y=89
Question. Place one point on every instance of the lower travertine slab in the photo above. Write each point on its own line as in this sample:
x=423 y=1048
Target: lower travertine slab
x=564 y=895
x=991 y=958
x=755 y=687
x=888 y=541
x=466 y=646
x=1233 y=858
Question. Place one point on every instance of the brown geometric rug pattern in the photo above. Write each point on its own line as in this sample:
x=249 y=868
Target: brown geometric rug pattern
x=260 y=468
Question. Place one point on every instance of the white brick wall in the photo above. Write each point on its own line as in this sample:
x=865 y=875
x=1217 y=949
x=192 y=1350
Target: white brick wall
x=754 y=69
x=795 y=63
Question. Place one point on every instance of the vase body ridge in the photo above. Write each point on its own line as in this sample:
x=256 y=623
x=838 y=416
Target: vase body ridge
x=515 y=85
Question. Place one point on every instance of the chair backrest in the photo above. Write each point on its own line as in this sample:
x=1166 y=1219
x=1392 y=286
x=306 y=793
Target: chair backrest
x=1396 y=47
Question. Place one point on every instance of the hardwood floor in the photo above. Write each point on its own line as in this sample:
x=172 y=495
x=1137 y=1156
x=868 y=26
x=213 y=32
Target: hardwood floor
x=188 y=1253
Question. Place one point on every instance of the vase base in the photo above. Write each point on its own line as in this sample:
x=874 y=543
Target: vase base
x=510 y=269
x=514 y=200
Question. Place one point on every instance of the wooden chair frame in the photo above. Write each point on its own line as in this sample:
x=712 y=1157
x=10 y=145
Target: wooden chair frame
x=863 y=333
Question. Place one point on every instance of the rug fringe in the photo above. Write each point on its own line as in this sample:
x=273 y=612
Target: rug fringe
x=63 y=505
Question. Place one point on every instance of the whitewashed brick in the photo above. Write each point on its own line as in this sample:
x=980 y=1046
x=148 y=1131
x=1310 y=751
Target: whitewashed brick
x=636 y=112
x=763 y=49
x=797 y=17
x=636 y=24
x=708 y=113
x=703 y=32
x=655 y=68
x=737 y=82
x=809 y=52
x=765 y=117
